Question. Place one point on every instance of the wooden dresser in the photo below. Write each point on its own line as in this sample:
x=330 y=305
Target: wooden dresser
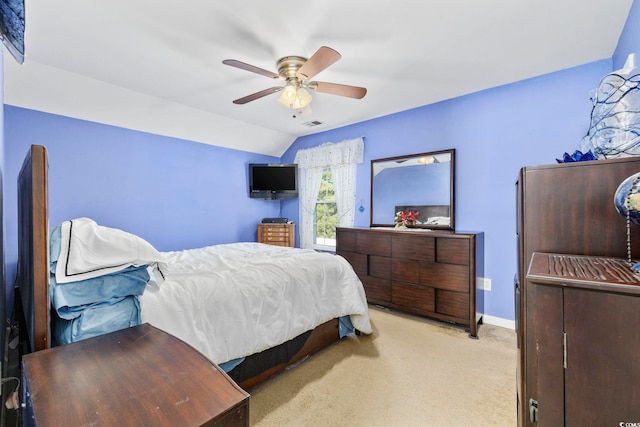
x=582 y=317
x=277 y=234
x=139 y=376
x=430 y=273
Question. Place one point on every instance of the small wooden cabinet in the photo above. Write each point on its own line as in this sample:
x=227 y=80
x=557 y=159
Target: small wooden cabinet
x=430 y=273
x=277 y=234
x=132 y=377
x=582 y=316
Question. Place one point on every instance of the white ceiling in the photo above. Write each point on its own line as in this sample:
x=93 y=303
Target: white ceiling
x=156 y=65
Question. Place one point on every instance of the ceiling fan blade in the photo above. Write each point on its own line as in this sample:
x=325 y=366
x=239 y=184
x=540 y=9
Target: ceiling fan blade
x=252 y=68
x=257 y=95
x=338 y=89
x=324 y=57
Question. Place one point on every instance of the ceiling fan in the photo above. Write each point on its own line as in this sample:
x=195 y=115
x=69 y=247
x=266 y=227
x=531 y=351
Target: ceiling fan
x=296 y=71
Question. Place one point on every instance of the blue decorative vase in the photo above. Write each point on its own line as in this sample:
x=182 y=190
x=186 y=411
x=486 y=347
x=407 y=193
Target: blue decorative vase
x=615 y=120
x=627 y=198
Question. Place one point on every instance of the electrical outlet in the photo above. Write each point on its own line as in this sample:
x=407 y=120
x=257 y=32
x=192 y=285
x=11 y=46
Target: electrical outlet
x=484 y=283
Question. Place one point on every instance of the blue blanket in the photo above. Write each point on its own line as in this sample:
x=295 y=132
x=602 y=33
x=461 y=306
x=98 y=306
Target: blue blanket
x=97 y=319
x=92 y=307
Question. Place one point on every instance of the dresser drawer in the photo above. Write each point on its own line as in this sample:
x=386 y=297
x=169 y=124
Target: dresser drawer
x=378 y=290
x=408 y=246
x=380 y=266
x=445 y=276
x=276 y=233
x=452 y=251
x=357 y=261
x=374 y=244
x=405 y=270
x=413 y=296
x=346 y=240
x=454 y=304
x=268 y=237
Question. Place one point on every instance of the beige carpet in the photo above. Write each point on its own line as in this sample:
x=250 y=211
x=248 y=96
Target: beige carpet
x=409 y=372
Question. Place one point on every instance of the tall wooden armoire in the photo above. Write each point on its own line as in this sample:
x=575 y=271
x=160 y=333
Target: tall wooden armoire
x=567 y=209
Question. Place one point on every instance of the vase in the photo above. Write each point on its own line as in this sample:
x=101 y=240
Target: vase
x=614 y=130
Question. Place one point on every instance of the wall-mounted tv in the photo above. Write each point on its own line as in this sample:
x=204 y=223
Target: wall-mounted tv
x=273 y=181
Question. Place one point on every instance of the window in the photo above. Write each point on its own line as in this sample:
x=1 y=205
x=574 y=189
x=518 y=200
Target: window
x=332 y=166
x=325 y=216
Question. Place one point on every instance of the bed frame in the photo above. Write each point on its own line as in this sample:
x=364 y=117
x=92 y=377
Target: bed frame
x=32 y=296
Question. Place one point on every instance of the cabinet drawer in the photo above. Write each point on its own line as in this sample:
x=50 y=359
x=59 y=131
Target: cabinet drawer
x=405 y=270
x=453 y=251
x=275 y=237
x=445 y=276
x=276 y=233
x=346 y=240
x=409 y=246
x=374 y=244
x=413 y=296
x=454 y=304
x=357 y=261
x=377 y=290
x=380 y=266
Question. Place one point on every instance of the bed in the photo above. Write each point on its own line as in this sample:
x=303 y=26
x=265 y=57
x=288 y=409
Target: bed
x=258 y=331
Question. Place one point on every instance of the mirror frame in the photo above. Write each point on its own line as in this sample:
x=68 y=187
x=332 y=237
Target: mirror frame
x=452 y=186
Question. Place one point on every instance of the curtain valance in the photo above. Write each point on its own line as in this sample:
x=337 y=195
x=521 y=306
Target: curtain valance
x=331 y=154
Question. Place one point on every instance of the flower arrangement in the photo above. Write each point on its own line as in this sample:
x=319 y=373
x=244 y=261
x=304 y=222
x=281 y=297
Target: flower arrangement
x=406 y=218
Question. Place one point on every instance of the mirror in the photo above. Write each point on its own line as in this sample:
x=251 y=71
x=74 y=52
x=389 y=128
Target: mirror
x=422 y=183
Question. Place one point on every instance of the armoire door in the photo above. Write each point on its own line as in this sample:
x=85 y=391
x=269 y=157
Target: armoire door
x=602 y=377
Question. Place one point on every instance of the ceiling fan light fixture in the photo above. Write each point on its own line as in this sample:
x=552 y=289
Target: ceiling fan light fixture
x=303 y=98
x=294 y=97
x=288 y=96
x=296 y=71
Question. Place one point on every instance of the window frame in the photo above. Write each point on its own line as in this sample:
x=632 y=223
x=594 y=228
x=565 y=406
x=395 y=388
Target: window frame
x=318 y=246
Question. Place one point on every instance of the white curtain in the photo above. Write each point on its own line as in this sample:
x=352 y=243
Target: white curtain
x=343 y=158
x=310 y=180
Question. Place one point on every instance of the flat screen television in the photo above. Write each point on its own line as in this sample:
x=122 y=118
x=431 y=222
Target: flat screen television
x=273 y=181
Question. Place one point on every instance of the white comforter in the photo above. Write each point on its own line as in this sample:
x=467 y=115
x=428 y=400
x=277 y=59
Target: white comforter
x=230 y=301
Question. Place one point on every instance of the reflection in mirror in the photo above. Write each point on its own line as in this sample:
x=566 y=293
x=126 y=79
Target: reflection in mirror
x=422 y=183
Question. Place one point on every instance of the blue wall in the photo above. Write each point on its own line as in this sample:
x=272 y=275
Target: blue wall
x=495 y=133
x=176 y=194
x=179 y=194
x=629 y=41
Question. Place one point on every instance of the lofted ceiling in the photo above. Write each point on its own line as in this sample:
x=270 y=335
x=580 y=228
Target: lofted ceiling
x=156 y=65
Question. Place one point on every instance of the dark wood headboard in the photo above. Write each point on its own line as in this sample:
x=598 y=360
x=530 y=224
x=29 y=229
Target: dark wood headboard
x=33 y=247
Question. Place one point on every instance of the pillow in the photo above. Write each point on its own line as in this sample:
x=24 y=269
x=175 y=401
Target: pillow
x=69 y=299
x=88 y=250
x=438 y=220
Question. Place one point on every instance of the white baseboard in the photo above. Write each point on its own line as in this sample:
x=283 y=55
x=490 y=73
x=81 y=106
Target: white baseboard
x=498 y=321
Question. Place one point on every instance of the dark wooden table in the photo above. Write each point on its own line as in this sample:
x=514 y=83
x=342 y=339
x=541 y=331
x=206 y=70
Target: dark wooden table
x=139 y=376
